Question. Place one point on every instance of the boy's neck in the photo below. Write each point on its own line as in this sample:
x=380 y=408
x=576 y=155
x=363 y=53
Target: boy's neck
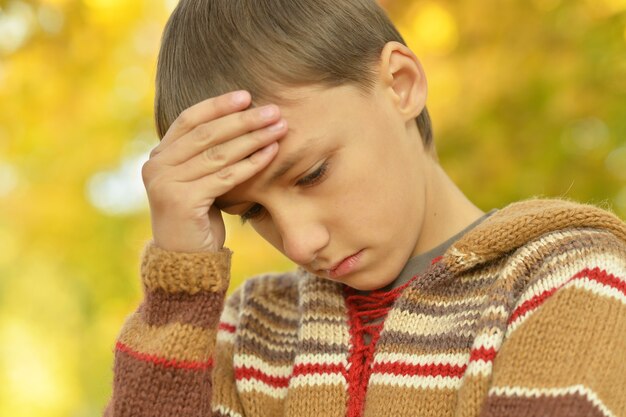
x=447 y=212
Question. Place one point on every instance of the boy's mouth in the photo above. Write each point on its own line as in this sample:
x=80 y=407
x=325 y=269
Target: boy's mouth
x=345 y=266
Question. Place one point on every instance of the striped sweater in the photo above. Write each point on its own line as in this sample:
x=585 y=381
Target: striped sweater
x=523 y=316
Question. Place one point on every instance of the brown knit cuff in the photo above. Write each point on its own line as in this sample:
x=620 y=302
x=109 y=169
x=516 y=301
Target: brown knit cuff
x=185 y=272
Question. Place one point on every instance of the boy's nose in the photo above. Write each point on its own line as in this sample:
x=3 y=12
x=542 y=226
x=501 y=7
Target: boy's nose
x=302 y=240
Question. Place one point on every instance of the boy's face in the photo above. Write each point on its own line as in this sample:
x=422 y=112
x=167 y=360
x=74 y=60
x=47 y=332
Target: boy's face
x=351 y=204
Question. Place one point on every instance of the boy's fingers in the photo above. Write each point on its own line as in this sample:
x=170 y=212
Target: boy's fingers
x=204 y=112
x=215 y=136
x=217 y=157
x=228 y=178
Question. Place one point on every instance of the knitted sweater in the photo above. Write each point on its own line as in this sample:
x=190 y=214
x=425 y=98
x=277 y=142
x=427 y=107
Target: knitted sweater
x=524 y=316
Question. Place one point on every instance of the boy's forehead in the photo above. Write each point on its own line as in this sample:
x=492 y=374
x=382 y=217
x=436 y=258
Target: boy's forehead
x=317 y=114
x=294 y=95
x=300 y=102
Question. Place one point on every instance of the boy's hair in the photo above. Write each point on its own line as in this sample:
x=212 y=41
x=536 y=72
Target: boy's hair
x=211 y=47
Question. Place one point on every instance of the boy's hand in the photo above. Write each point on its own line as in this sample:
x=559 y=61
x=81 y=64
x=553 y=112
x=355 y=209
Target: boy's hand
x=209 y=149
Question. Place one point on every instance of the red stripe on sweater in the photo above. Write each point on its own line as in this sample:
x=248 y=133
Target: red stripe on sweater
x=248 y=372
x=406 y=369
x=394 y=368
x=227 y=327
x=318 y=368
x=245 y=372
x=531 y=304
x=166 y=363
x=603 y=277
x=595 y=274
x=483 y=354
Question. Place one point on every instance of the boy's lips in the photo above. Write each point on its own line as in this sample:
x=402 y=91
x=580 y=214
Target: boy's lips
x=345 y=266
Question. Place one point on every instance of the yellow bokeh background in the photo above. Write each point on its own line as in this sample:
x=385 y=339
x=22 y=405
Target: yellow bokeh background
x=527 y=99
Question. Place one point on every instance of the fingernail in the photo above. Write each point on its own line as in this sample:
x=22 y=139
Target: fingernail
x=240 y=97
x=268 y=112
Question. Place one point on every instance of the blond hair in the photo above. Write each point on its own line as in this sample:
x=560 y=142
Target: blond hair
x=211 y=47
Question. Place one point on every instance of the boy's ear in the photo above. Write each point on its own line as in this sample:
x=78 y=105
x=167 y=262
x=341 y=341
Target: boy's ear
x=403 y=76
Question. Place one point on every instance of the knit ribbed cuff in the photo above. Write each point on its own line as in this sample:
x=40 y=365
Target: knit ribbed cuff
x=185 y=272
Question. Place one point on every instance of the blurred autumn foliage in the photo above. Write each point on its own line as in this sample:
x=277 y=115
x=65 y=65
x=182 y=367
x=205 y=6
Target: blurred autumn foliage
x=528 y=98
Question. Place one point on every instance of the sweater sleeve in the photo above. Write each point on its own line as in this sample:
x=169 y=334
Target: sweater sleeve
x=165 y=354
x=564 y=353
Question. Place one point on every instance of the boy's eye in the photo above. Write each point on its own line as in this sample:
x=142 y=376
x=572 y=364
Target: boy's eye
x=252 y=213
x=256 y=211
x=314 y=177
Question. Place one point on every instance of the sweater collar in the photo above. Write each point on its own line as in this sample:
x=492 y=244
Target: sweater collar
x=521 y=222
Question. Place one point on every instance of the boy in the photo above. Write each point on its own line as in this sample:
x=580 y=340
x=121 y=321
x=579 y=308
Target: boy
x=409 y=300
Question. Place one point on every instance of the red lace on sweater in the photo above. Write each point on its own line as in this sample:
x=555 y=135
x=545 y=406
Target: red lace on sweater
x=362 y=310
